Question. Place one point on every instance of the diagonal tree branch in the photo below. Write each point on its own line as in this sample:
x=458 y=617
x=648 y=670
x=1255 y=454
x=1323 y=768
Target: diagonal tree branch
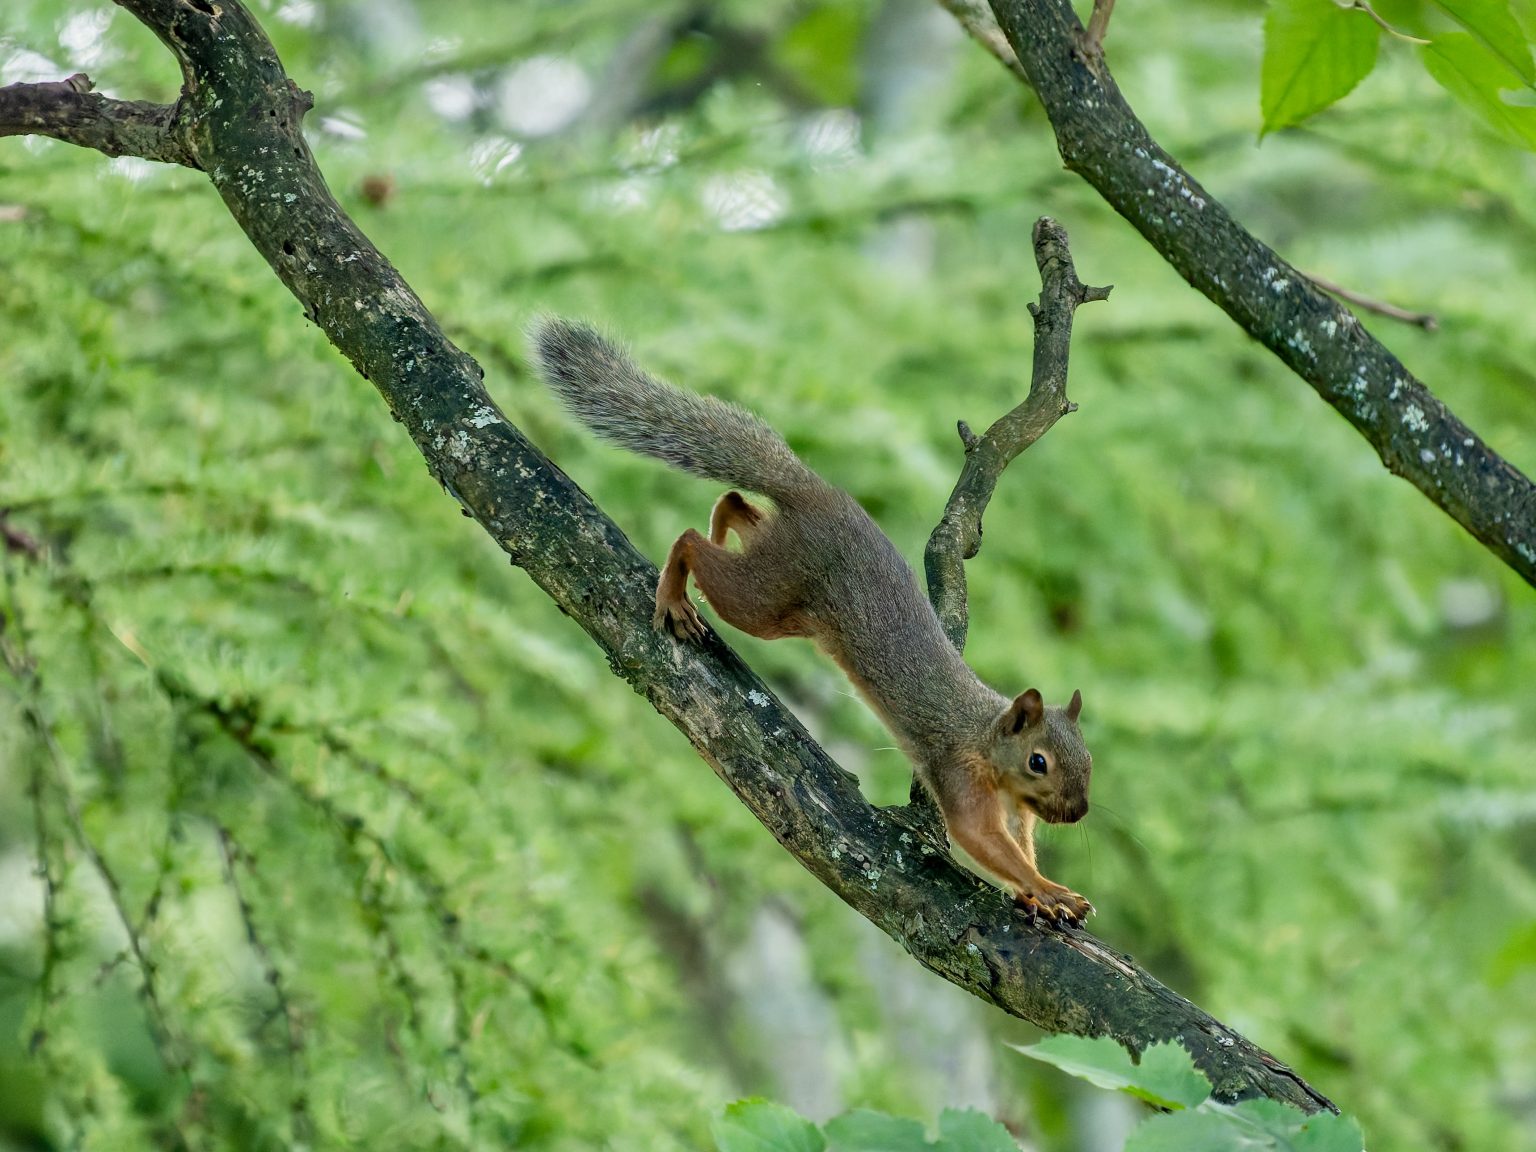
x=239 y=115
x=1100 y=138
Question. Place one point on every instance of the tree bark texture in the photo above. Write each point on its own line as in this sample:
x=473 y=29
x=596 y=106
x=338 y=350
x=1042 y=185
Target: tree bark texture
x=238 y=119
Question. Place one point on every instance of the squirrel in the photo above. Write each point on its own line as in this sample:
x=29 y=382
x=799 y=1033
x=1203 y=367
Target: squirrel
x=818 y=566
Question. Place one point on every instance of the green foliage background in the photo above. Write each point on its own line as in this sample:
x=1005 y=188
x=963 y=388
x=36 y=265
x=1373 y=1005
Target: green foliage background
x=400 y=861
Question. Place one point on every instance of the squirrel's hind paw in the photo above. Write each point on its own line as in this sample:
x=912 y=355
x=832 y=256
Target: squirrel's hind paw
x=680 y=618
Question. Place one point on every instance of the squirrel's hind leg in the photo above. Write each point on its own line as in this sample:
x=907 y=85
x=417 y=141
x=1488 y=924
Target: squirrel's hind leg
x=734 y=512
x=674 y=611
x=738 y=585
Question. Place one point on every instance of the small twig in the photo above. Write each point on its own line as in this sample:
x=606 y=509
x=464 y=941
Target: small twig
x=68 y=110
x=1425 y=320
x=1098 y=26
x=957 y=537
x=981 y=26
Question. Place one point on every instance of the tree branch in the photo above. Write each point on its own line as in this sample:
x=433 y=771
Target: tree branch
x=1416 y=436
x=1098 y=25
x=68 y=110
x=957 y=537
x=1425 y=320
x=965 y=930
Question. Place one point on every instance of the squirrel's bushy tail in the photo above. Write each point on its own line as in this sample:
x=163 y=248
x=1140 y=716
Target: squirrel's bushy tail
x=605 y=390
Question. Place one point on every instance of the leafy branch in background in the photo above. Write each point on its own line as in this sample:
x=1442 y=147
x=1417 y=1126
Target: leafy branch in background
x=1163 y=1075
x=1317 y=51
x=1192 y=1119
x=762 y=1126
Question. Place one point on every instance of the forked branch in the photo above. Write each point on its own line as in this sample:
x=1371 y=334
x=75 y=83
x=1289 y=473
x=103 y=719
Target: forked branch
x=957 y=537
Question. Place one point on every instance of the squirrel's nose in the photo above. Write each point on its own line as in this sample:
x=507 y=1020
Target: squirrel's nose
x=1071 y=813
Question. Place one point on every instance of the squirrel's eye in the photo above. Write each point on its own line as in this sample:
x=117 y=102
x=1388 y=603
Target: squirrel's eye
x=1037 y=764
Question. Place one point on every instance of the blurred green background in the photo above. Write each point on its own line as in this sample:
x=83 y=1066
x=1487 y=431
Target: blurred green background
x=404 y=863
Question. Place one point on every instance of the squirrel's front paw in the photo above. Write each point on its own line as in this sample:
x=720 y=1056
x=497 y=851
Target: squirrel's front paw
x=1054 y=903
x=680 y=618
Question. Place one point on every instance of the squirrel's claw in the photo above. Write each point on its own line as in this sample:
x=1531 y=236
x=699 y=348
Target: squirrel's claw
x=1056 y=905
x=680 y=618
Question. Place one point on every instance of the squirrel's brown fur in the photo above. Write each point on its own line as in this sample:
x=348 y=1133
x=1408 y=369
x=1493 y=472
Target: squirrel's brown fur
x=818 y=566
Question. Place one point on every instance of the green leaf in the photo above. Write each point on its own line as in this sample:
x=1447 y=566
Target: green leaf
x=865 y=1131
x=1493 y=25
x=1166 y=1076
x=959 y=1131
x=972 y=1131
x=1253 y=1124
x=1198 y=1131
x=1465 y=68
x=1315 y=52
x=758 y=1126
x=1524 y=12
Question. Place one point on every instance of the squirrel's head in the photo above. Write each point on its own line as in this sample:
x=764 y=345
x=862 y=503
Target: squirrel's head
x=1041 y=759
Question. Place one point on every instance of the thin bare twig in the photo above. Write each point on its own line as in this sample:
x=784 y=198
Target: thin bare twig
x=1425 y=320
x=957 y=536
x=1098 y=26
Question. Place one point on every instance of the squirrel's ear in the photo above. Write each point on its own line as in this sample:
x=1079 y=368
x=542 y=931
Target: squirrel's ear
x=1076 y=706
x=1027 y=708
